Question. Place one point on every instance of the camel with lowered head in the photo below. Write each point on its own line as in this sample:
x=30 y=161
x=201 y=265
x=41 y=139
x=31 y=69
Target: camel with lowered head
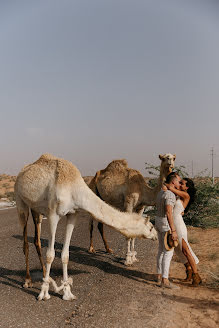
x=126 y=189
x=54 y=188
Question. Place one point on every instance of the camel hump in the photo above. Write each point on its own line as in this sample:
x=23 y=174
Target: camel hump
x=65 y=171
x=133 y=172
x=117 y=164
x=47 y=156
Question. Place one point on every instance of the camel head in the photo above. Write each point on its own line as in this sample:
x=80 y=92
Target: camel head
x=149 y=231
x=167 y=163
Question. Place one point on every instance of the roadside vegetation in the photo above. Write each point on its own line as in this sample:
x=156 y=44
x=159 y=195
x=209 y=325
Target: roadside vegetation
x=7 y=186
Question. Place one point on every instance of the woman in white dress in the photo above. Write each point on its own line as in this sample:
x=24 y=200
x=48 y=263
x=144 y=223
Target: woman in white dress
x=186 y=196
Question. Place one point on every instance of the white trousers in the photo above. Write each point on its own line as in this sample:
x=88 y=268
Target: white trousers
x=163 y=256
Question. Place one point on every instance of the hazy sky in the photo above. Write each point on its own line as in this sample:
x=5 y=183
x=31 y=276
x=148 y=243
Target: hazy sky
x=96 y=80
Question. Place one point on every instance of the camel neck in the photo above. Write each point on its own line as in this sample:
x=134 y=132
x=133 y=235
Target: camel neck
x=129 y=224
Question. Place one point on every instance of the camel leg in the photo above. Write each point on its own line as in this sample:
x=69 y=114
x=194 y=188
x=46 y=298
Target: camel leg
x=37 y=222
x=23 y=214
x=50 y=255
x=100 y=228
x=91 y=227
x=128 y=260
x=134 y=253
x=28 y=281
x=67 y=282
x=129 y=204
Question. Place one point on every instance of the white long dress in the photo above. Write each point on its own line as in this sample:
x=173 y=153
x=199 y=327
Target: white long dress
x=181 y=231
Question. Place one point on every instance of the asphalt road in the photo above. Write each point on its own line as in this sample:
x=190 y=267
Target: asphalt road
x=108 y=293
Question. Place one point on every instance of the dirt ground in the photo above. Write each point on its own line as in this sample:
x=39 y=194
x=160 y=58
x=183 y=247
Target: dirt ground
x=198 y=307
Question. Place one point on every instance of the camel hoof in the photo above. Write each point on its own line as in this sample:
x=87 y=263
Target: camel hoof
x=69 y=297
x=43 y=297
x=44 y=294
x=135 y=260
x=129 y=259
x=46 y=297
x=28 y=283
x=128 y=262
x=109 y=250
x=91 y=250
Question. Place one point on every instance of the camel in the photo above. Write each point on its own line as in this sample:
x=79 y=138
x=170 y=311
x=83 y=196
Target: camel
x=54 y=187
x=126 y=189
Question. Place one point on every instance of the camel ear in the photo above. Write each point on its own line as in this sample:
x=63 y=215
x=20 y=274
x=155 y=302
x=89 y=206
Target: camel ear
x=161 y=157
x=174 y=157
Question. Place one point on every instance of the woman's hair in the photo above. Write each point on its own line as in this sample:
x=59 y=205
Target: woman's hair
x=191 y=191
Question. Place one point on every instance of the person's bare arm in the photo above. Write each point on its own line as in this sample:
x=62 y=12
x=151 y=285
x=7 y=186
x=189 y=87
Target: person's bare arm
x=169 y=213
x=182 y=194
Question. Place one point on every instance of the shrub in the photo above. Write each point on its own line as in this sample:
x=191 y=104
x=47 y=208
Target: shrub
x=10 y=195
x=204 y=212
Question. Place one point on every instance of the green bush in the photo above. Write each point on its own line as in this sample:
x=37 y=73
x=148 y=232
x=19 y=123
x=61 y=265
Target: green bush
x=204 y=212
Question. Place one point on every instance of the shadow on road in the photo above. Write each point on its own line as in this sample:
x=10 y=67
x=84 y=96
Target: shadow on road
x=195 y=303
x=108 y=263
x=7 y=278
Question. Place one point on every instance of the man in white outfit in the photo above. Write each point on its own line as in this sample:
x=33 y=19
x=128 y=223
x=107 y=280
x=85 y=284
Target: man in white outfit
x=164 y=222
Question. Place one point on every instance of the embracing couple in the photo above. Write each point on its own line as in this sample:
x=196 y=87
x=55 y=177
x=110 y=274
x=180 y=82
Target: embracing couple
x=175 y=197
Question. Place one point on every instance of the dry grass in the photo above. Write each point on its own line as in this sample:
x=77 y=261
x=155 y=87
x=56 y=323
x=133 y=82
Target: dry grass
x=213 y=277
x=213 y=256
x=193 y=240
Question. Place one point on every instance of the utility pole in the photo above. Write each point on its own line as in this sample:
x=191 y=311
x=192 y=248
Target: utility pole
x=212 y=164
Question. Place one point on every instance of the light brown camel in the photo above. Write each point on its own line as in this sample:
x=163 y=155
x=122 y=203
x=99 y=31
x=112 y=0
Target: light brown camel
x=53 y=187
x=126 y=189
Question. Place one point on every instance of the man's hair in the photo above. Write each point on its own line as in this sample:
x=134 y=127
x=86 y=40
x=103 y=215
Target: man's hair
x=171 y=177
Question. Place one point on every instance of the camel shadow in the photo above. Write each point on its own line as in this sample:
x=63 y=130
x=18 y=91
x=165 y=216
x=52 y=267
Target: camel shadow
x=44 y=242
x=7 y=278
x=108 y=263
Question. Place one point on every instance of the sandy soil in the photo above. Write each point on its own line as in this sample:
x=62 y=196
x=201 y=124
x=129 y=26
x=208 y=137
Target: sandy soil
x=197 y=307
